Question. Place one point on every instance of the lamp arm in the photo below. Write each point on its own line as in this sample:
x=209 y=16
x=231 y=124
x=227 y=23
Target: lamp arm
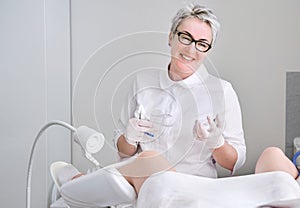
x=29 y=168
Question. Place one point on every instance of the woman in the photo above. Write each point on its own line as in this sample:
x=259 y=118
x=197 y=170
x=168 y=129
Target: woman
x=192 y=98
x=193 y=32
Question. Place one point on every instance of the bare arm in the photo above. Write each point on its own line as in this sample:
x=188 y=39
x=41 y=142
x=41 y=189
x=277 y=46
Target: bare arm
x=226 y=156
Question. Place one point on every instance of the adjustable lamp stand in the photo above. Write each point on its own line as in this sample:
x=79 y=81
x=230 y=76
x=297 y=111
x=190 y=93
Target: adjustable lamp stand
x=90 y=141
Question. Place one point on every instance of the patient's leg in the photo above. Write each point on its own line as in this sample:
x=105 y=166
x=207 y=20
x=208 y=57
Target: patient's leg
x=145 y=165
x=114 y=184
x=273 y=159
x=136 y=172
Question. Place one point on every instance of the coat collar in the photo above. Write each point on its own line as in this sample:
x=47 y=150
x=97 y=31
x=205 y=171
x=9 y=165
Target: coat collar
x=198 y=77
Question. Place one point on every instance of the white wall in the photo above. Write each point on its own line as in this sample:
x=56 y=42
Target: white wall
x=260 y=46
x=97 y=43
x=258 y=42
x=34 y=88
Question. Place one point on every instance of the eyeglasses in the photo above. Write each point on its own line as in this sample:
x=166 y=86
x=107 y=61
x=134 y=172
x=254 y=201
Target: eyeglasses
x=186 y=39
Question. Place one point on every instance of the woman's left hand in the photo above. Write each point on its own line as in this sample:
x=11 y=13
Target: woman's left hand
x=211 y=135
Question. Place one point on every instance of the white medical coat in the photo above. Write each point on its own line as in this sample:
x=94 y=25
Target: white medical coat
x=174 y=106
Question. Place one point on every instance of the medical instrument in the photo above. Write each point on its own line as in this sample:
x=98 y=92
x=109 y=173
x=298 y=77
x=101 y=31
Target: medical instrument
x=141 y=111
x=88 y=139
x=149 y=134
x=144 y=130
x=135 y=130
x=141 y=114
x=160 y=122
x=162 y=112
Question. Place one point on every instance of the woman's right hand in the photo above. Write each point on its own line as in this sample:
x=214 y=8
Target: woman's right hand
x=136 y=129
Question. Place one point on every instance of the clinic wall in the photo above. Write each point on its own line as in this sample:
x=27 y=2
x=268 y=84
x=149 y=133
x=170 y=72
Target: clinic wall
x=258 y=42
x=257 y=66
x=34 y=88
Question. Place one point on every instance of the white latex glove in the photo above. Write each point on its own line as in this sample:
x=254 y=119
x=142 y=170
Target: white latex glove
x=137 y=131
x=211 y=133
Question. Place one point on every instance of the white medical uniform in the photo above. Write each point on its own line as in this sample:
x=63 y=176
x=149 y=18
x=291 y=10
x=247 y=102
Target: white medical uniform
x=173 y=107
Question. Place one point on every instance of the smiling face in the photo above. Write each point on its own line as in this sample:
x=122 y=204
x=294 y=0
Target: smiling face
x=186 y=59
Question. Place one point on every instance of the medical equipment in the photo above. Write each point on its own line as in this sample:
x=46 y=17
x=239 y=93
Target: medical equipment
x=100 y=188
x=157 y=124
x=172 y=189
x=136 y=129
x=141 y=114
x=296 y=143
x=89 y=140
x=144 y=131
x=296 y=155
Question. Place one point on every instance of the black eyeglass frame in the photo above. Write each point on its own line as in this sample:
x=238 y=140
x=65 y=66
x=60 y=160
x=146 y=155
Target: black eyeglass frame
x=193 y=41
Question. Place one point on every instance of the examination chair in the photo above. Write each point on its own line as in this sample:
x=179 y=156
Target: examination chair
x=177 y=190
x=77 y=194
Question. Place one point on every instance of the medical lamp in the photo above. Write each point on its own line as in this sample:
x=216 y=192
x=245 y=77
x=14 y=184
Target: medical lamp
x=88 y=139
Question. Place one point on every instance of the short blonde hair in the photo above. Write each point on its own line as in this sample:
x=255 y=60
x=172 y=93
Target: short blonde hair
x=200 y=12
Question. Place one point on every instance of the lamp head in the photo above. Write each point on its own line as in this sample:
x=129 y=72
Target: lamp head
x=90 y=140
